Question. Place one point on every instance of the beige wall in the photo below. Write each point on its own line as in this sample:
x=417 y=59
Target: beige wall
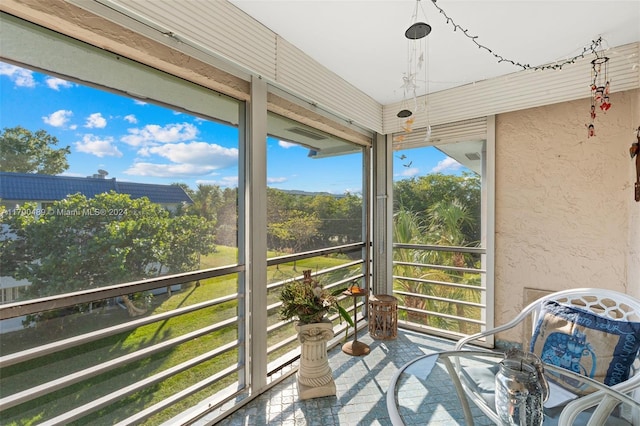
x=565 y=213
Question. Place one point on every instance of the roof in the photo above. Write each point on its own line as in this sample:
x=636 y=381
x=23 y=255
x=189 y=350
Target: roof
x=37 y=187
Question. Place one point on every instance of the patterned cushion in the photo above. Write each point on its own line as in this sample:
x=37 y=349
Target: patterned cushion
x=583 y=342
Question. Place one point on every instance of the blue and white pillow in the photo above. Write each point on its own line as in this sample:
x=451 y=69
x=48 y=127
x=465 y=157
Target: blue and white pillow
x=580 y=341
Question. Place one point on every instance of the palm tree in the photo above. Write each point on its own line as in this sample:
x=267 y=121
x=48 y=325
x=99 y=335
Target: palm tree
x=407 y=229
x=445 y=222
x=206 y=201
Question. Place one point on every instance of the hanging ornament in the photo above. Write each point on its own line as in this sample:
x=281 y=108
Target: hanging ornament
x=404 y=113
x=600 y=88
x=416 y=34
x=408 y=125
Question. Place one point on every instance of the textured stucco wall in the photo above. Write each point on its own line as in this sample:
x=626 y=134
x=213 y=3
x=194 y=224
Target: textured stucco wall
x=565 y=214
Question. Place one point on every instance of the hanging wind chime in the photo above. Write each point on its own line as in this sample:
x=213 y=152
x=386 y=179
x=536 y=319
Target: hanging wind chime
x=416 y=51
x=600 y=83
x=599 y=90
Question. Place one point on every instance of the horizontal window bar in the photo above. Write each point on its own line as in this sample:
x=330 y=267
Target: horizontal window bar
x=54 y=385
x=50 y=348
x=477 y=250
x=347 y=248
x=440 y=315
x=443 y=283
x=439 y=299
x=173 y=399
x=277 y=284
x=28 y=307
x=106 y=400
x=441 y=267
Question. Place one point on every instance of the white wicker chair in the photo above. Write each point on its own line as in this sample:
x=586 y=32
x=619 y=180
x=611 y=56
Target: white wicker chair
x=604 y=303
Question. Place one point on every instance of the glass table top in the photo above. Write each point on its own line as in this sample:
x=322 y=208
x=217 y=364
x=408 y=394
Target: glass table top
x=428 y=390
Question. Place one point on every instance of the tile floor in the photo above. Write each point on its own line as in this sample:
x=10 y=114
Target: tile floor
x=361 y=384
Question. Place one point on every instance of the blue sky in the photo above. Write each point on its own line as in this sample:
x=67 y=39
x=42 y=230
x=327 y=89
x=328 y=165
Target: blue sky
x=142 y=142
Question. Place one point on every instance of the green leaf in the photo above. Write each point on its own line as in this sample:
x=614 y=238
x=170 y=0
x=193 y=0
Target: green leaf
x=344 y=314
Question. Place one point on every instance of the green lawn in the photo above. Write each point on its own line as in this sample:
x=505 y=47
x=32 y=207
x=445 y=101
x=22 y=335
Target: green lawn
x=30 y=374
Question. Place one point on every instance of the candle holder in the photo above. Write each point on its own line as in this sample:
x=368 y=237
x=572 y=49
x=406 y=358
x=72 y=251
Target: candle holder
x=521 y=389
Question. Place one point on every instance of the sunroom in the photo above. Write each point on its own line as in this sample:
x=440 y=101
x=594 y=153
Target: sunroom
x=551 y=203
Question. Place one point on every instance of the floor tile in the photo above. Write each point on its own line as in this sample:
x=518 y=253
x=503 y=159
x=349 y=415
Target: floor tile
x=361 y=386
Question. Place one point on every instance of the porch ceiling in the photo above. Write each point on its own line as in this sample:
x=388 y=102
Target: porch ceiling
x=363 y=40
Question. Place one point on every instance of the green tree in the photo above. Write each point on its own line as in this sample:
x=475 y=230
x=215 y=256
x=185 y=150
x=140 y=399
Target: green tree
x=421 y=193
x=22 y=151
x=445 y=221
x=216 y=204
x=407 y=230
x=340 y=218
x=295 y=230
x=82 y=243
x=206 y=201
x=278 y=204
x=227 y=224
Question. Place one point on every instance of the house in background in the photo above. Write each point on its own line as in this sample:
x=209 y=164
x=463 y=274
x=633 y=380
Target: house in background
x=19 y=188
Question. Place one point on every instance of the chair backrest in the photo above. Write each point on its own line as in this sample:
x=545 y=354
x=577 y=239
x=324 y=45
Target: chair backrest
x=604 y=303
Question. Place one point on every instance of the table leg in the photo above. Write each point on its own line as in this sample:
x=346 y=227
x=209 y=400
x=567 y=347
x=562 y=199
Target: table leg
x=354 y=347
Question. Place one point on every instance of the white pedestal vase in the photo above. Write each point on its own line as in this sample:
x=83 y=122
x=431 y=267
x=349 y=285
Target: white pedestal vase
x=315 y=378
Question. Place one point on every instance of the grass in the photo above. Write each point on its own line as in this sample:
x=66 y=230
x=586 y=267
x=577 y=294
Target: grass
x=30 y=374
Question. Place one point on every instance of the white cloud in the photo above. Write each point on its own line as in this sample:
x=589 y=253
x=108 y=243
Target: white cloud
x=152 y=134
x=445 y=165
x=131 y=118
x=357 y=191
x=57 y=83
x=287 y=145
x=410 y=171
x=187 y=159
x=100 y=147
x=138 y=102
x=58 y=118
x=96 y=121
x=196 y=153
x=276 y=179
x=144 y=152
x=225 y=181
x=19 y=76
x=230 y=181
x=168 y=170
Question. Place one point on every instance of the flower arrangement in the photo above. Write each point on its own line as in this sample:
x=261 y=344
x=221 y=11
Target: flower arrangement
x=309 y=302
